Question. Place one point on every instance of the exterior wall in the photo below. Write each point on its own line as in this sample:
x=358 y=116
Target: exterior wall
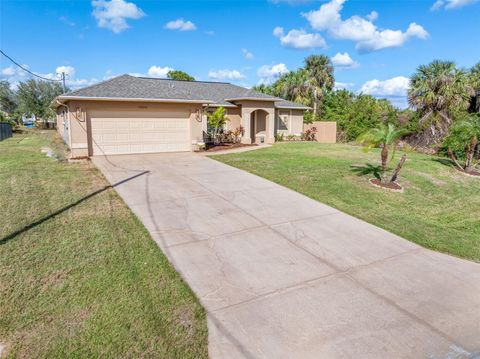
x=297 y=122
x=326 y=131
x=235 y=118
x=289 y=121
x=61 y=122
x=80 y=115
x=247 y=107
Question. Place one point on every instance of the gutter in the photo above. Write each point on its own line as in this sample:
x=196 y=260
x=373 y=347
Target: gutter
x=59 y=99
x=273 y=99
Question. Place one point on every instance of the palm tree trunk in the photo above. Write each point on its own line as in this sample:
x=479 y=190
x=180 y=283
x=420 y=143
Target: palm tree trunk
x=470 y=152
x=384 y=156
x=398 y=168
x=454 y=159
x=315 y=104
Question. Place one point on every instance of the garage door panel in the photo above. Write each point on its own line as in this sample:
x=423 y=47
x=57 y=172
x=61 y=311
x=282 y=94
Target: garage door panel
x=140 y=134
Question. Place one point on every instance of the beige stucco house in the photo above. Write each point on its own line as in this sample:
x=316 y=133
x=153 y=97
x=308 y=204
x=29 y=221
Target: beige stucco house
x=130 y=114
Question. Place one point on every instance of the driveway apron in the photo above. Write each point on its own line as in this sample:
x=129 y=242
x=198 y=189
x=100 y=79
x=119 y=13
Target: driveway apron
x=283 y=276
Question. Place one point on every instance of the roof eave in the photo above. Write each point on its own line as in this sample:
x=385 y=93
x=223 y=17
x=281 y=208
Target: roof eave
x=273 y=99
x=63 y=99
x=293 y=107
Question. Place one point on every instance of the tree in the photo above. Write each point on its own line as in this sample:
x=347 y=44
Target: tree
x=293 y=86
x=266 y=89
x=463 y=139
x=8 y=98
x=437 y=90
x=215 y=121
x=306 y=85
x=179 y=75
x=387 y=137
x=319 y=78
x=474 y=78
x=35 y=97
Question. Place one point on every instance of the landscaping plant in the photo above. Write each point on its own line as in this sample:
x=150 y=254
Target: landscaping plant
x=216 y=121
x=309 y=134
x=462 y=142
x=386 y=137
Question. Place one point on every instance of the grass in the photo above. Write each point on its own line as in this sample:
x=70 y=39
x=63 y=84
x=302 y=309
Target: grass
x=438 y=209
x=79 y=274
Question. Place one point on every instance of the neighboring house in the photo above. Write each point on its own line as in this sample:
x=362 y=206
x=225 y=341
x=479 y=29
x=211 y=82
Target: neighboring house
x=130 y=114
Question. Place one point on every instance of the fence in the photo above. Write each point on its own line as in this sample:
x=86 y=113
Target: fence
x=5 y=130
x=326 y=131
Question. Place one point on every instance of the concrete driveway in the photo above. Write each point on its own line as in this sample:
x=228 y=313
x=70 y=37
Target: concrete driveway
x=284 y=276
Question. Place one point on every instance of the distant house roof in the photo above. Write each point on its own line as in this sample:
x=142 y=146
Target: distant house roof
x=133 y=88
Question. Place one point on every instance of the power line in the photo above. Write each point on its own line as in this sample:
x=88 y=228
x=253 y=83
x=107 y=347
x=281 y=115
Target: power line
x=30 y=72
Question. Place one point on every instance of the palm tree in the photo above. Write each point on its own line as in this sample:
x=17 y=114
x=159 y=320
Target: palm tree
x=463 y=138
x=320 y=77
x=474 y=77
x=387 y=137
x=293 y=86
x=436 y=91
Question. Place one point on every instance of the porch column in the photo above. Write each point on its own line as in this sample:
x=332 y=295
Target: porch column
x=246 y=138
x=271 y=126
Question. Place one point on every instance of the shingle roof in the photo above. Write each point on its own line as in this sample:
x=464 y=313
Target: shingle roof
x=131 y=87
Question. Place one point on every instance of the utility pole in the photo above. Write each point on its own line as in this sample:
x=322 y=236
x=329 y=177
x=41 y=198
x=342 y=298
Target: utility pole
x=63 y=82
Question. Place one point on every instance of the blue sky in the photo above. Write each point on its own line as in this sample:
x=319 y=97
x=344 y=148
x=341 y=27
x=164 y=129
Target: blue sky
x=375 y=45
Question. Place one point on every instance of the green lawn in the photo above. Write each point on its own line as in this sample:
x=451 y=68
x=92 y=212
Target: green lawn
x=79 y=274
x=439 y=208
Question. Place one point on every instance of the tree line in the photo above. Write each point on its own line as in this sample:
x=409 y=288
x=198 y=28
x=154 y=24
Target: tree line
x=440 y=94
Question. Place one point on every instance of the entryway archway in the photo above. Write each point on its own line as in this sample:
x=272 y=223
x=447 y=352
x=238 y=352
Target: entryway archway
x=258 y=126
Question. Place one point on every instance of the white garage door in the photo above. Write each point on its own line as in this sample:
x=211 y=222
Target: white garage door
x=130 y=132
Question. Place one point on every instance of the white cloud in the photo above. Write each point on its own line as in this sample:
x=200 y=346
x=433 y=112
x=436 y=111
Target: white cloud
x=247 y=54
x=181 y=25
x=225 y=75
x=8 y=71
x=372 y=16
x=113 y=14
x=66 y=21
x=344 y=61
x=299 y=39
x=451 y=4
x=343 y=85
x=396 y=86
x=359 y=29
x=272 y=71
x=157 y=71
x=69 y=70
x=14 y=75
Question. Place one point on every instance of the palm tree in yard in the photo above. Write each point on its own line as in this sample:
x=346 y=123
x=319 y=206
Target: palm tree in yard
x=463 y=139
x=293 y=86
x=436 y=91
x=320 y=77
x=386 y=137
x=474 y=77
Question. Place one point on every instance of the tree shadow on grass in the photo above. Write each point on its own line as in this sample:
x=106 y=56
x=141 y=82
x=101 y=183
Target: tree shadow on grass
x=12 y=235
x=367 y=169
x=443 y=161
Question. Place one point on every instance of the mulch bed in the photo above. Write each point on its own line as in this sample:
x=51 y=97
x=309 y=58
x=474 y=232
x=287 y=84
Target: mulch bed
x=471 y=174
x=392 y=186
x=227 y=146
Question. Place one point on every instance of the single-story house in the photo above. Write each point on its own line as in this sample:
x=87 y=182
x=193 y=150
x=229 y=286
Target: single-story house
x=128 y=114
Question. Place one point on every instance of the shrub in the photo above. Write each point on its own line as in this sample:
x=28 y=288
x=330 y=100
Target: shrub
x=309 y=134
